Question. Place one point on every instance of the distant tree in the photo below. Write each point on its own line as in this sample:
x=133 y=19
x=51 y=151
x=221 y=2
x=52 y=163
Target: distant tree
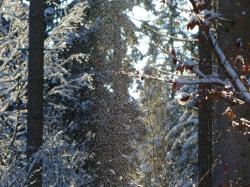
x=103 y=119
x=170 y=144
x=114 y=124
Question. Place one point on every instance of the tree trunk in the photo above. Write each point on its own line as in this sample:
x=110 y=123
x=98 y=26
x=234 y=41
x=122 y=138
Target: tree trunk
x=35 y=87
x=205 y=150
x=232 y=147
x=205 y=122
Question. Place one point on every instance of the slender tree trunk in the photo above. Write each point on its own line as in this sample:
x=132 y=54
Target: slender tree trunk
x=35 y=87
x=233 y=147
x=205 y=113
x=205 y=149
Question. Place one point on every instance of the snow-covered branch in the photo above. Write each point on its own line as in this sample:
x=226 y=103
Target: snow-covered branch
x=207 y=80
x=231 y=73
x=224 y=63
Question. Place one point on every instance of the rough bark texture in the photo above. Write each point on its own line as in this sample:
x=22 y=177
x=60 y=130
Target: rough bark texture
x=35 y=87
x=205 y=143
x=233 y=147
x=205 y=150
x=205 y=122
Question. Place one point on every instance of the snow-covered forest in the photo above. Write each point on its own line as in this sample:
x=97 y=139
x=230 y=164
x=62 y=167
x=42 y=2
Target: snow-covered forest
x=124 y=93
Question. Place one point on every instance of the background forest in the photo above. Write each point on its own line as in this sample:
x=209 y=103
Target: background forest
x=124 y=93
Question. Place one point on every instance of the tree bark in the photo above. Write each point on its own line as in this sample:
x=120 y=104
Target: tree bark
x=232 y=147
x=205 y=113
x=35 y=88
x=205 y=126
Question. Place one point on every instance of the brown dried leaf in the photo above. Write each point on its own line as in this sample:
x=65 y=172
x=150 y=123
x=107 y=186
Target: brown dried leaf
x=230 y=114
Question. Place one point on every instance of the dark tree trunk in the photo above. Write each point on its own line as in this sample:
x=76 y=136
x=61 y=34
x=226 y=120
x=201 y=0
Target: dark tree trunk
x=205 y=149
x=35 y=87
x=232 y=147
